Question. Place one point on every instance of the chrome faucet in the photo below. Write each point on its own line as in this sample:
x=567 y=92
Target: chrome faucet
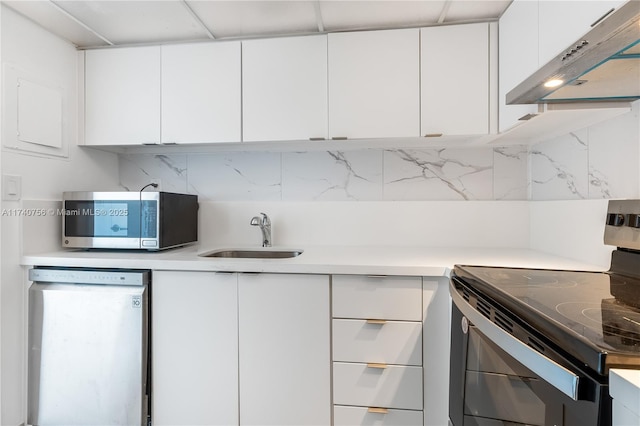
x=265 y=226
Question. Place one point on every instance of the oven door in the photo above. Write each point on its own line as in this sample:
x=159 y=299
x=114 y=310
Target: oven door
x=495 y=379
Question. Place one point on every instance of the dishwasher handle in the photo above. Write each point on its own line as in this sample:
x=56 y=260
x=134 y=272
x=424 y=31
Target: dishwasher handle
x=129 y=277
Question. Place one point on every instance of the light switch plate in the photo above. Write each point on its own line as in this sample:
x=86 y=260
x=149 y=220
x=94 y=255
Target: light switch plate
x=11 y=187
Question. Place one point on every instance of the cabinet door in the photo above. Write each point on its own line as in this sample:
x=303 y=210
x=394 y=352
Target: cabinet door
x=201 y=93
x=518 y=57
x=374 y=84
x=455 y=79
x=284 y=329
x=284 y=88
x=122 y=96
x=564 y=22
x=195 y=348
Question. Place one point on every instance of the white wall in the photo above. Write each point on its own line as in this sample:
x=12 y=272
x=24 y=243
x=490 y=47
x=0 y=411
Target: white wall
x=375 y=223
x=572 y=179
x=37 y=52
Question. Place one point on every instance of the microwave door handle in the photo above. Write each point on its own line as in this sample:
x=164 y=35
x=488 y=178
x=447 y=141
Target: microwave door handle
x=553 y=373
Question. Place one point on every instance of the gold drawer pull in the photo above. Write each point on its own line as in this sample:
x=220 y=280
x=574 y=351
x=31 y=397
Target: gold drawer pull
x=377 y=410
x=376 y=321
x=376 y=365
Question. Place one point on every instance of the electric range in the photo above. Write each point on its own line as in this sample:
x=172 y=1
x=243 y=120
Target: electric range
x=566 y=328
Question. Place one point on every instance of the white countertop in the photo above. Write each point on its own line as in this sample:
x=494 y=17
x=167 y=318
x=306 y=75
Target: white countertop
x=417 y=261
x=624 y=388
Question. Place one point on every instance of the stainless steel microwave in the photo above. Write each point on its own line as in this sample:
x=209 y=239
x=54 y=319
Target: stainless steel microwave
x=129 y=220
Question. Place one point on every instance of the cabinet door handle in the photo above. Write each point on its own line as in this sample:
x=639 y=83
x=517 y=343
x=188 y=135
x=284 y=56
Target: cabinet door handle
x=317 y=139
x=377 y=410
x=376 y=321
x=376 y=365
x=433 y=135
x=339 y=138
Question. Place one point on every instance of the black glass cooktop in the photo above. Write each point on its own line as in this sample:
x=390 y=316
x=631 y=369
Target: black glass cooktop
x=593 y=316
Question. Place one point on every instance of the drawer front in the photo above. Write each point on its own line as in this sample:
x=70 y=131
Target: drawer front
x=351 y=416
x=387 y=342
x=390 y=387
x=392 y=298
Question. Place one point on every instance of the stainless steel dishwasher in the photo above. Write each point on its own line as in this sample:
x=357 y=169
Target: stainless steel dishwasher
x=88 y=347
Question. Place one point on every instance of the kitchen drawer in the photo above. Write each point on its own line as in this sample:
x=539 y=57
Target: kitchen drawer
x=367 y=297
x=348 y=416
x=389 y=342
x=391 y=387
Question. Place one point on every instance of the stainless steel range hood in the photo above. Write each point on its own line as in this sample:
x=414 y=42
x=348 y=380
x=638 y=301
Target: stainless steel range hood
x=604 y=65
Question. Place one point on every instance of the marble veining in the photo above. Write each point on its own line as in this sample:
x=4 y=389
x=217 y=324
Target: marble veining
x=597 y=162
x=598 y=184
x=559 y=168
x=138 y=170
x=444 y=173
x=235 y=176
x=511 y=173
x=332 y=175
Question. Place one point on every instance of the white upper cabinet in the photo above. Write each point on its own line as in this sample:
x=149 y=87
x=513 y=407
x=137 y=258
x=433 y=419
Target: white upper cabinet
x=564 y=22
x=284 y=89
x=374 y=84
x=122 y=96
x=518 y=53
x=455 y=83
x=532 y=33
x=201 y=93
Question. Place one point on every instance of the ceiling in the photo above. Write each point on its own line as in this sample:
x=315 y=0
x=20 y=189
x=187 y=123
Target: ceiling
x=100 y=23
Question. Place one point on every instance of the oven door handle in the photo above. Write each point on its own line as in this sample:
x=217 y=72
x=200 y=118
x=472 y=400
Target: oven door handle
x=553 y=373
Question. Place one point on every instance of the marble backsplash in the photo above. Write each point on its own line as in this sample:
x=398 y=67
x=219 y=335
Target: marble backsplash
x=483 y=173
x=598 y=162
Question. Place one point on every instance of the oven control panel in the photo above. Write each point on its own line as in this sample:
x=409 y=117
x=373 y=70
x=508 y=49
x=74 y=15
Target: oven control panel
x=622 y=228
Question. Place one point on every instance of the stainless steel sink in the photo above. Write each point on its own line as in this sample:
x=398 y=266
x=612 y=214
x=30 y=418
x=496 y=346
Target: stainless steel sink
x=257 y=253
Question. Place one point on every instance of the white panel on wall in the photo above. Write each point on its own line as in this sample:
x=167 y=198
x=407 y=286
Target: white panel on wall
x=36 y=105
x=39 y=114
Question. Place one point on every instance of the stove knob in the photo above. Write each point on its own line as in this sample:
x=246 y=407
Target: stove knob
x=634 y=220
x=615 y=219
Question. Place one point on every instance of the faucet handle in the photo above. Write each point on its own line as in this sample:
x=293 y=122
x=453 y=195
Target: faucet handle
x=265 y=219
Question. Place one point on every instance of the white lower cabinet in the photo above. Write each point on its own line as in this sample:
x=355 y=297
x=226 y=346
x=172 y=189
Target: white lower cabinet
x=285 y=358
x=377 y=350
x=348 y=416
x=248 y=349
x=258 y=349
x=376 y=385
x=378 y=341
x=194 y=348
